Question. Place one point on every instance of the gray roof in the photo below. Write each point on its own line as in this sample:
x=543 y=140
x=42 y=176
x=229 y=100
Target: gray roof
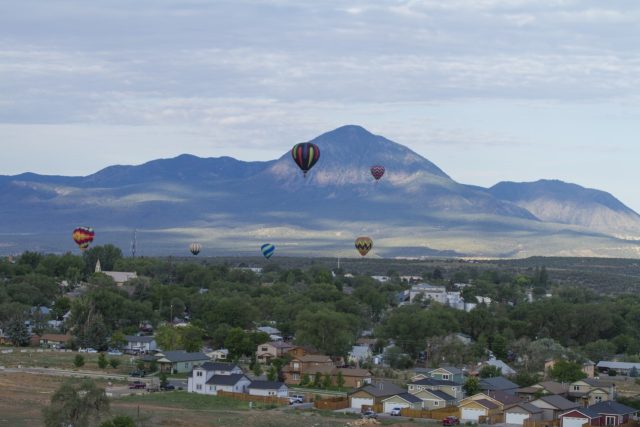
x=218 y=366
x=442 y=395
x=266 y=385
x=586 y=411
x=497 y=383
x=381 y=389
x=611 y=407
x=617 y=365
x=435 y=382
x=226 y=379
x=139 y=338
x=559 y=402
x=407 y=396
x=532 y=409
x=183 y=356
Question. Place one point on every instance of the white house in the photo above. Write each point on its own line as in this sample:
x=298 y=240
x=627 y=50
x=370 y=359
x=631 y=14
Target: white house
x=428 y=292
x=199 y=381
x=220 y=354
x=268 y=388
x=455 y=300
x=145 y=343
x=360 y=353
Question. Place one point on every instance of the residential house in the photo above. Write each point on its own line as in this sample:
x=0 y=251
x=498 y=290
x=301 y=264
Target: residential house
x=402 y=400
x=268 y=388
x=590 y=391
x=200 y=375
x=517 y=413
x=352 y=377
x=578 y=417
x=308 y=364
x=143 y=344
x=543 y=388
x=472 y=410
x=499 y=398
x=451 y=388
x=621 y=368
x=373 y=393
x=498 y=384
x=220 y=354
x=428 y=292
x=178 y=361
x=54 y=340
x=614 y=413
x=274 y=334
x=504 y=368
x=234 y=383
x=553 y=405
x=271 y=350
x=303 y=350
x=360 y=354
x=435 y=399
x=446 y=373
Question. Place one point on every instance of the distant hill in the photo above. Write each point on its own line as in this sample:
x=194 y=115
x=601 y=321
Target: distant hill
x=231 y=207
x=561 y=202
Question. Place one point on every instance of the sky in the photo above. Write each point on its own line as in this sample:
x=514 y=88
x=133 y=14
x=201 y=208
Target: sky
x=489 y=90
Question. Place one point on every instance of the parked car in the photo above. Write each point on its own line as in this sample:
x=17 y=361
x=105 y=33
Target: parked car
x=296 y=398
x=137 y=385
x=87 y=350
x=167 y=387
x=450 y=421
x=137 y=373
x=114 y=352
x=396 y=412
x=369 y=414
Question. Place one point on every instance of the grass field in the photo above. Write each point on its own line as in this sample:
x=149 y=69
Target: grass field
x=31 y=357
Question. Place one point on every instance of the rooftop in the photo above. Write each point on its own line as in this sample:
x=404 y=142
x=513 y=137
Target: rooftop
x=266 y=385
x=226 y=379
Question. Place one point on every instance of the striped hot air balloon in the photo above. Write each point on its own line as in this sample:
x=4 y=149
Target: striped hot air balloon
x=83 y=236
x=377 y=171
x=195 y=248
x=305 y=155
x=364 y=245
x=267 y=250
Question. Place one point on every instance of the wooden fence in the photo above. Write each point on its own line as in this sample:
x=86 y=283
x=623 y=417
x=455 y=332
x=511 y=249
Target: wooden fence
x=332 y=404
x=435 y=414
x=252 y=398
x=539 y=423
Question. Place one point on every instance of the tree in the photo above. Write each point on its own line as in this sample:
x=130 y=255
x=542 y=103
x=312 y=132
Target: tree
x=168 y=338
x=18 y=332
x=78 y=361
x=305 y=380
x=191 y=337
x=107 y=254
x=163 y=379
x=329 y=331
x=565 y=371
x=272 y=375
x=114 y=363
x=102 y=361
x=327 y=381
x=490 y=371
x=471 y=386
x=120 y=421
x=340 y=380
x=499 y=347
x=612 y=372
x=76 y=405
x=257 y=369
x=317 y=380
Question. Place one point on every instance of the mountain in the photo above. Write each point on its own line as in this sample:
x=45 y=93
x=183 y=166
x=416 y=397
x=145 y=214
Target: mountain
x=561 y=202
x=231 y=207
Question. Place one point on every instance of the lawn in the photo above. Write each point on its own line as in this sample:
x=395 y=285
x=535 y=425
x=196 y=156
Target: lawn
x=182 y=399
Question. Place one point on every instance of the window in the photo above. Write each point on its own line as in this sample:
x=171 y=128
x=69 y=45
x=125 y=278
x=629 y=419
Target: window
x=598 y=399
x=610 y=421
x=198 y=373
x=264 y=349
x=295 y=376
x=436 y=403
x=445 y=376
x=576 y=388
x=186 y=365
x=198 y=386
x=296 y=365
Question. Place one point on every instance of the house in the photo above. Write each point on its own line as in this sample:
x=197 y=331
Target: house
x=435 y=399
x=220 y=354
x=451 y=388
x=498 y=398
x=498 y=384
x=200 y=375
x=302 y=350
x=268 y=388
x=234 y=383
x=590 y=391
x=402 y=400
x=428 y=292
x=543 y=388
x=553 y=405
x=446 y=373
x=143 y=344
x=352 y=377
x=472 y=410
x=578 y=417
x=614 y=413
x=359 y=354
x=517 y=413
x=504 y=368
x=271 y=350
x=178 y=361
x=54 y=340
x=308 y=364
x=622 y=368
x=373 y=393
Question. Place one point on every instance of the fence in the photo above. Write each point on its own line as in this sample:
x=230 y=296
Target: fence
x=435 y=414
x=538 y=423
x=332 y=404
x=253 y=398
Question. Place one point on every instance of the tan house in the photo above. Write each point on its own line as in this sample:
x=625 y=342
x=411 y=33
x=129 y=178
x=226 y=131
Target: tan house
x=403 y=400
x=500 y=399
x=590 y=391
x=373 y=393
x=435 y=399
x=543 y=388
x=472 y=410
x=352 y=377
x=449 y=387
x=553 y=405
x=308 y=364
x=302 y=350
x=518 y=413
x=272 y=350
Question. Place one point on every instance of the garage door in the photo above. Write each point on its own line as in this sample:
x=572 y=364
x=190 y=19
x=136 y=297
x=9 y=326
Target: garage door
x=357 y=402
x=468 y=414
x=388 y=406
x=573 y=422
x=515 y=418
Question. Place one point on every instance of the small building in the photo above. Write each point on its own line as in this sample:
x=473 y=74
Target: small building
x=590 y=391
x=504 y=368
x=451 y=388
x=428 y=292
x=517 y=413
x=220 y=354
x=179 y=361
x=614 y=413
x=200 y=375
x=234 y=383
x=472 y=410
x=578 y=417
x=553 y=405
x=143 y=343
x=268 y=388
x=543 y=388
x=370 y=394
x=56 y=341
x=360 y=353
x=272 y=350
x=402 y=400
x=435 y=399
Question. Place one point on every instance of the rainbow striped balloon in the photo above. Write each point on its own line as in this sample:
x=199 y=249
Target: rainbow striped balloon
x=305 y=154
x=267 y=250
x=83 y=236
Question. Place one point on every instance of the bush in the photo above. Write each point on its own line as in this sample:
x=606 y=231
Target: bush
x=78 y=361
x=102 y=361
x=114 y=362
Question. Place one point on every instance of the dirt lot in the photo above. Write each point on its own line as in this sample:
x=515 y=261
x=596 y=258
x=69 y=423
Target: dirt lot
x=22 y=397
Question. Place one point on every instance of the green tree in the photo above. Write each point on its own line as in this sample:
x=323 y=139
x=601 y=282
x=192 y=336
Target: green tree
x=490 y=371
x=168 y=338
x=102 y=361
x=305 y=380
x=565 y=371
x=612 y=372
x=163 y=379
x=76 y=405
x=78 y=361
x=191 y=337
x=107 y=254
x=317 y=380
x=327 y=381
x=329 y=331
x=340 y=380
x=471 y=386
x=120 y=421
x=114 y=363
x=272 y=375
x=499 y=347
x=257 y=369
x=18 y=332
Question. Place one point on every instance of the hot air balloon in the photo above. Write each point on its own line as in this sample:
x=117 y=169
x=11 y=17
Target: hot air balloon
x=83 y=236
x=267 y=250
x=305 y=155
x=377 y=171
x=364 y=245
x=195 y=248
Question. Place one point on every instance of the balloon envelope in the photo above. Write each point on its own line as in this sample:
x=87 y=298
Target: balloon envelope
x=305 y=154
x=377 y=171
x=267 y=250
x=364 y=245
x=195 y=248
x=83 y=236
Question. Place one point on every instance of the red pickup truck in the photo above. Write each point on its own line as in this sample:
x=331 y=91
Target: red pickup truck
x=450 y=421
x=137 y=385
